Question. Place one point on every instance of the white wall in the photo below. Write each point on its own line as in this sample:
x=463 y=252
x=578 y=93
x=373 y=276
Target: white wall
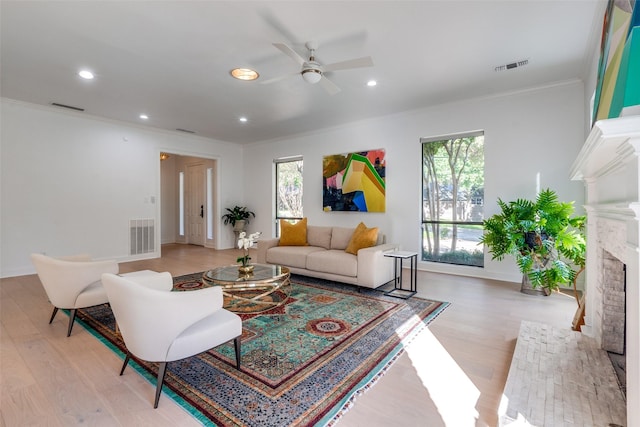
x=71 y=182
x=538 y=131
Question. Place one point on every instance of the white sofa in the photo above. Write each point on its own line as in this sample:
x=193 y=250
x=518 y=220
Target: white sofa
x=324 y=257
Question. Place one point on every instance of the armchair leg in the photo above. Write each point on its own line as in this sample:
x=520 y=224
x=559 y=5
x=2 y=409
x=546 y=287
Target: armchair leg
x=236 y=343
x=124 y=365
x=55 y=311
x=162 y=369
x=72 y=318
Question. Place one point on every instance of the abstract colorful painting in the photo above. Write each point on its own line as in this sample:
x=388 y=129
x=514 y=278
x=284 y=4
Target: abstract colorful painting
x=354 y=181
x=617 y=87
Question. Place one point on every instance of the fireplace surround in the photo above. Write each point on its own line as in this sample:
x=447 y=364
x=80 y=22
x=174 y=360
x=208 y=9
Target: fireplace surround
x=609 y=165
x=614 y=310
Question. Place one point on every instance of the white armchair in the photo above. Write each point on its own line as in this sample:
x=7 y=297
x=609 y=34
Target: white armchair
x=73 y=282
x=162 y=326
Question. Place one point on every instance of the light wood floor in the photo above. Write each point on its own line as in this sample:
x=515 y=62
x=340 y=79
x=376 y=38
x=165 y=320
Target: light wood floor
x=452 y=375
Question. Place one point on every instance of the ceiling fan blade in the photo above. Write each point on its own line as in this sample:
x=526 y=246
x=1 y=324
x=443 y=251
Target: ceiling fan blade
x=366 y=61
x=277 y=79
x=290 y=53
x=274 y=22
x=329 y=86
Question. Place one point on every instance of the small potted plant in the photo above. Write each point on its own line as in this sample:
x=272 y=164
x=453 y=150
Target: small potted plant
x=545 y=239
x=238 y=217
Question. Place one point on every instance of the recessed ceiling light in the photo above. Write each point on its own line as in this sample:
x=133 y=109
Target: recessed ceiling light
x=86 y=74
x=244 y=74
x=144 y=116
x=243 y=119
x=372 y=83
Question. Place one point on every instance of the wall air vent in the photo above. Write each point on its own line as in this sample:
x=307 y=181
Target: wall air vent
x=185 y=130
x=512 y=65
x=70 y=107
x=142 y=236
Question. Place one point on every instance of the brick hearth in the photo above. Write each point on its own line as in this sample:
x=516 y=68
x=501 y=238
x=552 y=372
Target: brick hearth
x=559 y=377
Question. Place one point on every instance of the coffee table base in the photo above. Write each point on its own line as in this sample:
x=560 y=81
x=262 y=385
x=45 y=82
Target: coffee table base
x=245 y=299
x=266 y=288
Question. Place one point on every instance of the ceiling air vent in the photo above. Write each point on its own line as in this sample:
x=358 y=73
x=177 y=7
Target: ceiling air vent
x=512 y=65
x=70 y=107
x=185 y=130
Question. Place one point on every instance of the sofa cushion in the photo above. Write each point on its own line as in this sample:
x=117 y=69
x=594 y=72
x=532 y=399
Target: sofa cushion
x=293 y=234
x=340 y=237
x=362 y=237
x=334 y=261
x=291 y=256
x=319 y=236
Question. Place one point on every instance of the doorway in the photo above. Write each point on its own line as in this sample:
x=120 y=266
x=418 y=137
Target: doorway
x=188 y=200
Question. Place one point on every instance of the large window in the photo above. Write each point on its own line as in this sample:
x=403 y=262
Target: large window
x=453 y=199
x=288 y=190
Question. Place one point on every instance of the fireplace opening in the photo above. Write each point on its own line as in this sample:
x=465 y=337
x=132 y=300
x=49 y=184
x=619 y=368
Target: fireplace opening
x=614 y=315
x=619 y=362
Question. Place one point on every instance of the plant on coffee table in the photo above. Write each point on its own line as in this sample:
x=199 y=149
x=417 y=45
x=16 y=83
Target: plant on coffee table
x=245 y=243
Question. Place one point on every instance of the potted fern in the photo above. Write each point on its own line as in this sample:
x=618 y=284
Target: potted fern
x=543 y=236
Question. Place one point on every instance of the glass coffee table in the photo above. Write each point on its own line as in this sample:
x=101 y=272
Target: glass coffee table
x=267 y=287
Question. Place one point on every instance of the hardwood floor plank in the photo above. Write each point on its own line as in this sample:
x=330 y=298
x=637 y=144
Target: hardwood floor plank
x=14 y=372
x=75 y=400
x=28 y=406
x=16 y=322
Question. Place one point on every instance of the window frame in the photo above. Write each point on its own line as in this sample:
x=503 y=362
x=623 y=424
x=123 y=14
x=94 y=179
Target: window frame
x=429 y=222
x=277 y=216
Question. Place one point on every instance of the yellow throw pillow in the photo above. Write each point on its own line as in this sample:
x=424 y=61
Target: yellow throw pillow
x=363 y=237
x=293 y=234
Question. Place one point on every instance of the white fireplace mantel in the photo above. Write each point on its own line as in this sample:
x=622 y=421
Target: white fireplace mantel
x=607 y=148
x=609 y=165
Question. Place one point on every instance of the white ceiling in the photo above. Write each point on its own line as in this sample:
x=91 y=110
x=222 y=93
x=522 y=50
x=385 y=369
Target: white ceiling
x=171 y=59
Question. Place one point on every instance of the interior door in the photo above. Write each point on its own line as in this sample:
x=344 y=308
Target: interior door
x=195 y=204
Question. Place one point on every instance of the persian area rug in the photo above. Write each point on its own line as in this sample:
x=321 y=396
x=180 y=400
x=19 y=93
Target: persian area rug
x=303 y=363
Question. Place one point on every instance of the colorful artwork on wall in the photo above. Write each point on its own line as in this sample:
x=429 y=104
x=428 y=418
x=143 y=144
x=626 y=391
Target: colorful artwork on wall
x=617 y=89
x=354 y=181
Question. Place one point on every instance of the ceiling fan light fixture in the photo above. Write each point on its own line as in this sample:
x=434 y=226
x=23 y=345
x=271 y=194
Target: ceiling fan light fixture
x=246 y=74
x=311 y=75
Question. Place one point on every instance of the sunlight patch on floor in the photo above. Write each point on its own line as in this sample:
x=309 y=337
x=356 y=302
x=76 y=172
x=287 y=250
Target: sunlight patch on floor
x=452 y=392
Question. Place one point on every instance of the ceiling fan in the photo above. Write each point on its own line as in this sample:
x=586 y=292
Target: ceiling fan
x=313 y=72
